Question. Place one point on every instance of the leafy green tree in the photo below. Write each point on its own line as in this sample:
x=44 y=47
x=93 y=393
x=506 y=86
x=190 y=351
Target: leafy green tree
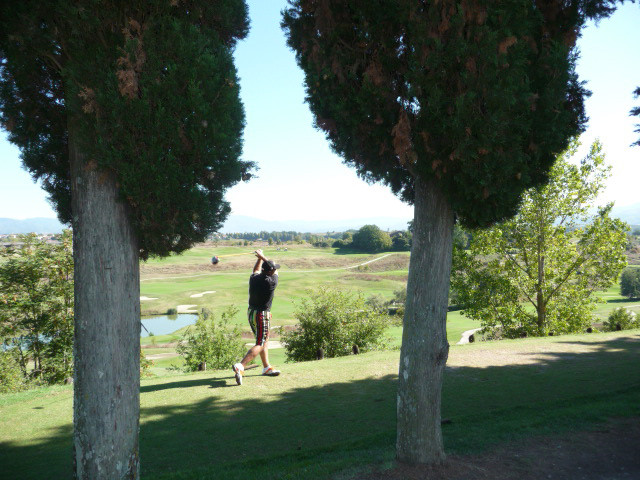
x=334 y=321
x=371 y=239
x=129 y=114
x=630 y=283
x=11 y=374
x=536 y=273
x=401 y=242
x=460 y=237
x=36 y=306
x=457 y=107
x=211 y=343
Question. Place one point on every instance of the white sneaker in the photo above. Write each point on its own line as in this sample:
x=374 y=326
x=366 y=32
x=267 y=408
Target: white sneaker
x=238 y=369
x=270 y=371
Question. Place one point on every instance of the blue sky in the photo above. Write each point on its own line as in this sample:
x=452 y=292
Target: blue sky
x=300 y=178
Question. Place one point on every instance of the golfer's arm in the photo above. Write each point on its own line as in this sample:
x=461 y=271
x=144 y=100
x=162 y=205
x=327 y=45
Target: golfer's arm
x=258 y=266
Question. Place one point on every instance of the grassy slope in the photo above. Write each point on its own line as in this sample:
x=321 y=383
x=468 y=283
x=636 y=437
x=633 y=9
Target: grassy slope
x=318 y=418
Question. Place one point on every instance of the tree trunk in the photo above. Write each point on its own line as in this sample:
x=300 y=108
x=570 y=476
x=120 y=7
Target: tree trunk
x=106 y=405
x=424 y=338
x=541 y=306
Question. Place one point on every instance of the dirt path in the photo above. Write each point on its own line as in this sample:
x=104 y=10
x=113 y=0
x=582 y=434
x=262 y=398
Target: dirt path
x=610 y=453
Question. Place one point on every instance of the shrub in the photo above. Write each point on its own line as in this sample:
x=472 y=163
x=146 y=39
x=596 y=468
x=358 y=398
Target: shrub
x=145 y=365
x=11 y=375
x=630 y=283
x=172 y=311
x=210 y=342
x=377 y=303
x=621 y=319
x=334 y=321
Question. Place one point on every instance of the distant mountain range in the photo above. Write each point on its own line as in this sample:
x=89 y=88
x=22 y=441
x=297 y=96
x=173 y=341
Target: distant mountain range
x=241 y=223
x=628 y=213
x=29 y=225
x=234 y=224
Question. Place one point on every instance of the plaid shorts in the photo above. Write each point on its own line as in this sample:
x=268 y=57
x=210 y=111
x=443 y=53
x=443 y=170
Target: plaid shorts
x=259 y=322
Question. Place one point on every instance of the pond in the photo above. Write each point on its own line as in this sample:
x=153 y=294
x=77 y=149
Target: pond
x=165 y=324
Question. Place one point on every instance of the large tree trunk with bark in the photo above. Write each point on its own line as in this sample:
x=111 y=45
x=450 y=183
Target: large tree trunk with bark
x=107 y=325
x=424 y=338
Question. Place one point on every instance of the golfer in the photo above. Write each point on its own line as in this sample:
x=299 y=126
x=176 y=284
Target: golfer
x=262 y=285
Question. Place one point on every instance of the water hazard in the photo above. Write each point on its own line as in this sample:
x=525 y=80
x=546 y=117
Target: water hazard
x=165 y=324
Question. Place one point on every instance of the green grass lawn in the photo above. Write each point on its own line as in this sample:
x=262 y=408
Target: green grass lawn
x=320 y=418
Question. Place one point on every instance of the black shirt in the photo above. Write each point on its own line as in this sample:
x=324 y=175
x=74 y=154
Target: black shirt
x=261 y=290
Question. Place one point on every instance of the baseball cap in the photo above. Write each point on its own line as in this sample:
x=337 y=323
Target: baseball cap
x=269 y=265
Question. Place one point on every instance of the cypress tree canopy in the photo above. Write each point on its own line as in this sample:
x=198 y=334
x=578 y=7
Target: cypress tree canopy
x=151 y=88
x=478 y=96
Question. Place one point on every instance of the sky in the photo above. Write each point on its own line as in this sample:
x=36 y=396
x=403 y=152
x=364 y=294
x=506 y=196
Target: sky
x=301 y=179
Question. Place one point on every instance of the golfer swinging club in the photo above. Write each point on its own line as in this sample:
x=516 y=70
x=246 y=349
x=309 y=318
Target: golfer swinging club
x=262 y=285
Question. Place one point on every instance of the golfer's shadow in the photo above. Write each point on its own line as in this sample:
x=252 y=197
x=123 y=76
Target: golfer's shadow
x=201 y=382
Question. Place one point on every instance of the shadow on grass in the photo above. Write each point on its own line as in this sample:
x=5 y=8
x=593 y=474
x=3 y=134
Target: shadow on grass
x=623 y=300
x=202 y=382
x=313 y=432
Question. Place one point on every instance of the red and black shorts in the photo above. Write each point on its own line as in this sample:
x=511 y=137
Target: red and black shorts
x=259 y=322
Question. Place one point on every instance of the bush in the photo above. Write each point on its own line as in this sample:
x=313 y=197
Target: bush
x=172 y=311
x=377 y=303
x=145 y=365
x=621 y=319
x=11 y=375
x=334 y=321
x=210 y=343
x=630 y=283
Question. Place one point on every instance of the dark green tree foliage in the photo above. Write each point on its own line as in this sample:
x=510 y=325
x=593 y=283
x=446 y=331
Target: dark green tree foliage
x=630 y=283
x=479 y=96
x=371 y=239
x=155 y=91
x=401 y=241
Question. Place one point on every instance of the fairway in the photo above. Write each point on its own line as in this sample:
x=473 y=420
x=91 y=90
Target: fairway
x=173 y=281
x=322 y=417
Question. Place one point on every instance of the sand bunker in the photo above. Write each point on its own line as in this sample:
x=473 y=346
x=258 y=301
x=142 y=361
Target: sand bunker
x=200 y=295
x=142 y=299
x=186 y=309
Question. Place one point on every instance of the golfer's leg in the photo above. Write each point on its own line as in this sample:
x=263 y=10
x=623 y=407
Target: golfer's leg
x=251 y=354
x=264 y=354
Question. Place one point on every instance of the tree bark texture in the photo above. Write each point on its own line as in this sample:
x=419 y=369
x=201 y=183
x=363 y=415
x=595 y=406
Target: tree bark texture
x=424 y=338
x=106 y=406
